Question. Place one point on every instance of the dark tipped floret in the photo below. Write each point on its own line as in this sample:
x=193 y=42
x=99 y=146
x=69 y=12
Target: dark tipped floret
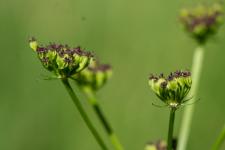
x=100 y=67
x=163 y=84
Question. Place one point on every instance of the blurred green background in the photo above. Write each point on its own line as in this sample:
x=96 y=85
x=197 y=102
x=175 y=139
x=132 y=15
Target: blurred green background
x=137 y=38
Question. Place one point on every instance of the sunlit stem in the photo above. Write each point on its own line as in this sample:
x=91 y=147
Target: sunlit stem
x=83 y=114
x=189 y=110
x=109 y=130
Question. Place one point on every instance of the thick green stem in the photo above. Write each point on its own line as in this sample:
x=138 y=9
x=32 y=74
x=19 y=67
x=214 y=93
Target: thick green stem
x=171 y=127
x=220 y=140
x=188 y=111
x=109 y=130
x=83 y=114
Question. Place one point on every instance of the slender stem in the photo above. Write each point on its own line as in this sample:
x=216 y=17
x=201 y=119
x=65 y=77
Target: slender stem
x=109 y=130
x=171 y=127
x=188 y=111
x=83 y=114
x=220 y=140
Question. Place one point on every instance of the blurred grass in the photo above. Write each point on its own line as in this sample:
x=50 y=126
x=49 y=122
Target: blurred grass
x=136 y=37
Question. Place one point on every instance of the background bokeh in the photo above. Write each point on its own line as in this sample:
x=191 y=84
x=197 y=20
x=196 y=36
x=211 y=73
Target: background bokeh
x=137 y=38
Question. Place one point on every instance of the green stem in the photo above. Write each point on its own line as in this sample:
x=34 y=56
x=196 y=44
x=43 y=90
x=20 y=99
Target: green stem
x=109 y=130
x=83 y=114
x=220 y=140
x=171 y=127
x=188 y=111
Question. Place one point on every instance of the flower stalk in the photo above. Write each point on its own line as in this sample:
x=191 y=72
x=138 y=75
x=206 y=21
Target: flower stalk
x=171 y=127
x=83 y=114
x=98 y=111
x=188 y=111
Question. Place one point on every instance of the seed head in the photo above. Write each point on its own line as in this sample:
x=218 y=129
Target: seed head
x=94 y=76
x=171 y=89
x=61 y=59
x=202 y=21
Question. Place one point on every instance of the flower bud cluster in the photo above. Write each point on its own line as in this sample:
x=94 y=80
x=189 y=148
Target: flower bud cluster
x=171 y=89
x=61 y=59
x=202 y=21
x=159 y=145
x=94 y=76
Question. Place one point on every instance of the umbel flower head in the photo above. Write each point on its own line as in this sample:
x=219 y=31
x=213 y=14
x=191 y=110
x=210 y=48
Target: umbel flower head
x=202 y=21
x=94 y=76
x=171 y=89
x=61 y=59
x=159 y=145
